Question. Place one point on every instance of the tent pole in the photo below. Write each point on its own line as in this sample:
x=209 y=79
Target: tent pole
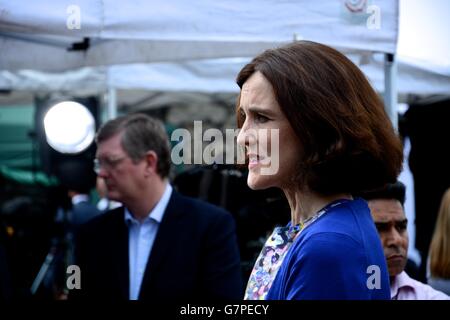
x=390 y=88
x=112 y=103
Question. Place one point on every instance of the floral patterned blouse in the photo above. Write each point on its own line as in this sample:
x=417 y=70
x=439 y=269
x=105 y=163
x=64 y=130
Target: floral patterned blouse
x=272 y=255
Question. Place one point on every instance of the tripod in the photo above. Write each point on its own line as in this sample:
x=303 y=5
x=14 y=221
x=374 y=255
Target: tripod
x=60 y=246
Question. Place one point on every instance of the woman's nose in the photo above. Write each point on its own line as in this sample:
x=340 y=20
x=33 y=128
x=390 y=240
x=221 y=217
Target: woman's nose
x=247 y=135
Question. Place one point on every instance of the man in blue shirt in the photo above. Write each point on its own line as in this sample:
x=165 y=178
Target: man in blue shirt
x=160 y=245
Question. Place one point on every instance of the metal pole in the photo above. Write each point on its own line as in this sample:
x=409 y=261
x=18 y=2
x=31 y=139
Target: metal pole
x=390 y=88
x=112 y=103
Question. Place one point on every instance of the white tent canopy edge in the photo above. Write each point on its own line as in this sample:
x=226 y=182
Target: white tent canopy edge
x=147 y=31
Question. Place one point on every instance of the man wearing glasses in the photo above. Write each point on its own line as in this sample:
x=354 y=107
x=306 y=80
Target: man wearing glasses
x=160 y=245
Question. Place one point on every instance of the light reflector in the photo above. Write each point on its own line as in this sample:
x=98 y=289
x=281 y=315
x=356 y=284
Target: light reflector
x=69 y=127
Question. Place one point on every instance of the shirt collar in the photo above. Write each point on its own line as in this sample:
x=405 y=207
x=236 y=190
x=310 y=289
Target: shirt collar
x=76 y=199
x=158 y=211
x=401 y=280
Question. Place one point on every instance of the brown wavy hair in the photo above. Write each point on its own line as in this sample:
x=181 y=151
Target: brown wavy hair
x=440 y=243
x=347 y=141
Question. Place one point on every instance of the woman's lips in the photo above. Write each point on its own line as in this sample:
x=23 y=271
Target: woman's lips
x=253 y=160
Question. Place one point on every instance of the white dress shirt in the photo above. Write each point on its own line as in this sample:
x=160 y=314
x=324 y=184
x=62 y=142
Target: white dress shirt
x=76 y=199
x=141 y=237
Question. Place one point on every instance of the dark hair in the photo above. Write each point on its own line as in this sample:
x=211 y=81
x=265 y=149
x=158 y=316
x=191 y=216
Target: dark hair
x=394 y=191
x=141 y=133
x=347 y=141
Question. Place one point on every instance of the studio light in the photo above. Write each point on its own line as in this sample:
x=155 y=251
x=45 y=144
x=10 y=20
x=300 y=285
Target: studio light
x=65 y=131
x=69 y=127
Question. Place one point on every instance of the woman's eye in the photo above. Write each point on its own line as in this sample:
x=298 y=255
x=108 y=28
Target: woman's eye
x=242 y=114
x=261 y=119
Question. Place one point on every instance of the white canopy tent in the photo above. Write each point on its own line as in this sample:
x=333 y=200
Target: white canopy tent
x=158 y=30
x=59 y=36
x=208 y=76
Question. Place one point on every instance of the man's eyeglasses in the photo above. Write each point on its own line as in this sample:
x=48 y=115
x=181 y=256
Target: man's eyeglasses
x=107 y=163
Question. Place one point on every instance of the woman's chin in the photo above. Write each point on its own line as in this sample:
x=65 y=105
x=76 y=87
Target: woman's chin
x=256 y=183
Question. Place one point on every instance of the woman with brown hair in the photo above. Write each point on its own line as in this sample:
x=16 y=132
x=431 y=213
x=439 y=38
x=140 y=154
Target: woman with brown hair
x=439 y=259
x=332 y=139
